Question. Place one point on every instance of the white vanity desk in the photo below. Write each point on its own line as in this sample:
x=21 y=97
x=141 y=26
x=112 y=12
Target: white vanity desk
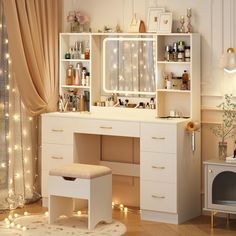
x=168 y=170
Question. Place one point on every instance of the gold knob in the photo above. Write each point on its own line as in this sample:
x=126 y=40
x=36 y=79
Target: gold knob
x=210 y=171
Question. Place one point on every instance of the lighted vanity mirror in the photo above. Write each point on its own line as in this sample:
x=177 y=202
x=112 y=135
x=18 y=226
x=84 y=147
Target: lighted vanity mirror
x=129 y=65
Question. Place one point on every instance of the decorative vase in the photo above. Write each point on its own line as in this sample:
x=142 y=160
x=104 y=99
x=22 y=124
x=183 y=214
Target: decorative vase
x=75 y=27
x=222 y=150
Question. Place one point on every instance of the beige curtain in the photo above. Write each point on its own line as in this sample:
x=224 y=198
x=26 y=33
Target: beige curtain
x=33 y=27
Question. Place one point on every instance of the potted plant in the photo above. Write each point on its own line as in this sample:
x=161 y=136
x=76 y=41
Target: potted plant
x=226 y=129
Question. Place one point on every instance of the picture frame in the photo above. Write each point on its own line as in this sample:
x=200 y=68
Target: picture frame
x=153 y=18
x=164 y=23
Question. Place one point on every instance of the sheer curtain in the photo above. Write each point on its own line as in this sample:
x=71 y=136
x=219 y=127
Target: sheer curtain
x=18 y=152
x=32 y=28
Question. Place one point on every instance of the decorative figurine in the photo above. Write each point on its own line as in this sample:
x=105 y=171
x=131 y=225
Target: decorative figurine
x=182 y=21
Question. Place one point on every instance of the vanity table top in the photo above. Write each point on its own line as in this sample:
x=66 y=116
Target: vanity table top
x=121 y=116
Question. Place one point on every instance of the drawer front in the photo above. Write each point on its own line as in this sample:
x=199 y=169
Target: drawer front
x=157 y=196
x=108 y=127
x=54 y=155
x=159 y=167
x=158 y=137
x=57 y=130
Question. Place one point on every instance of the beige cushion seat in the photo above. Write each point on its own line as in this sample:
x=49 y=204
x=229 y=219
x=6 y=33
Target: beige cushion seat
x=82 y=171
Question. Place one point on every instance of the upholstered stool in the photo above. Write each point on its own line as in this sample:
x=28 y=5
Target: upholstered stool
x=91 y=182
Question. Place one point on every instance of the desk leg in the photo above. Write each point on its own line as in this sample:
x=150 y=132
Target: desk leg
x=213 y=213
x=227 y=218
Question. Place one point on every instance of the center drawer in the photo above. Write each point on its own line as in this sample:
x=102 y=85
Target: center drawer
x=108 y=127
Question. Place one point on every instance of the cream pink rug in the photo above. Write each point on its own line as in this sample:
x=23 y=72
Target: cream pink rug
x=37 y=225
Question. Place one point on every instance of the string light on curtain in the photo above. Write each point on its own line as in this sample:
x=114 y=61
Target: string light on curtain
x=17 y=168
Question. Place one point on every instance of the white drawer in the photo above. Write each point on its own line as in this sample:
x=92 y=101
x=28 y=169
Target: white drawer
x=157 y=196
x=159 y=167
x=108 y=127
x=54 y=155
x=158 y=137
x=57 y=130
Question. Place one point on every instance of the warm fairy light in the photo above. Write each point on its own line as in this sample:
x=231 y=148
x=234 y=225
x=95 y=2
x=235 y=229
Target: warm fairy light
x=46 y=213
x=10 y=217
x=9 y=150
x=3 y=165
x=13 y=90
x=17 y=175
x=121 y=206
x=16 y=117
x=12 y=224
x=28 y=172
x=9 y=61
x=115 y=50
x=114 y=66
x=79 y=212
x=6 y=40
x=7 y=55
x=24 y=228
x=30 y=118
x=7 y=115
x=16 y=147
x=25 y=160
x=24 y=132
x=28 y=148
x=113 y=204
x=26 y=213
x=11 y=181
x=18 y=226
x=126 y=209
x=16 y=215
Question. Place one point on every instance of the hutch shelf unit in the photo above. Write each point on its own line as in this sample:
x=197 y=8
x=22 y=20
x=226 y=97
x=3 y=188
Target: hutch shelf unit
x=173 y=100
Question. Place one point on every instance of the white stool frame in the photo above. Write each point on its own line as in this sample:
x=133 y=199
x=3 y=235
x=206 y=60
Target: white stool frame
x=98 y=192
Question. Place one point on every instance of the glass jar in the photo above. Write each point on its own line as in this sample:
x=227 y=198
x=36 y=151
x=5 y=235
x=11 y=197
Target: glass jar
x=222 y=146
x=187 y=53
x=70 y=75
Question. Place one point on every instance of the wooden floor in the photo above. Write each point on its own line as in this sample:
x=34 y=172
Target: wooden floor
x=135 y=227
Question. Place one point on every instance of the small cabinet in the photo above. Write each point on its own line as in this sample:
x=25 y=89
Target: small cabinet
x=220 y=186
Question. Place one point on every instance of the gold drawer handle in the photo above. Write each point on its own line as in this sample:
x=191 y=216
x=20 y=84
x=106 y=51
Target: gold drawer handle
x=105 y=127
x=158 y=167
x=210 y=171
x=57 y=130
x=57 y=158
x=159 y=138
x=157 y=196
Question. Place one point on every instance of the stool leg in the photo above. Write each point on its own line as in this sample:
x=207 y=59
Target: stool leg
x=100 y=201
x=59 y=206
